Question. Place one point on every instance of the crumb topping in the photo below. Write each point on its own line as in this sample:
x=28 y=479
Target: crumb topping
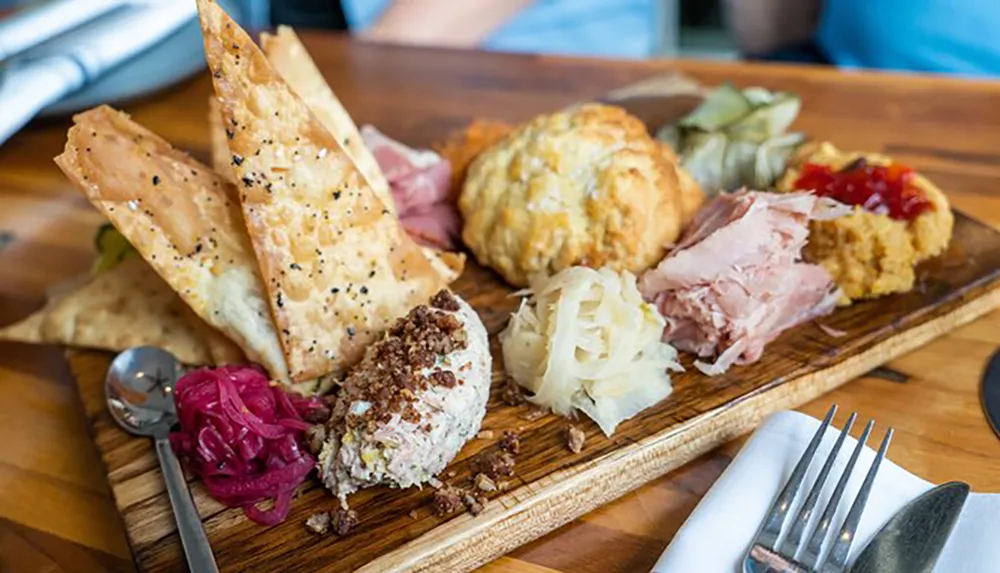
x=392 y=378
x=444 y=300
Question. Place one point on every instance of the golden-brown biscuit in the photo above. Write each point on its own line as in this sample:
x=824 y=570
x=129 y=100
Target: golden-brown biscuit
x=869 y=254
x=585 y=185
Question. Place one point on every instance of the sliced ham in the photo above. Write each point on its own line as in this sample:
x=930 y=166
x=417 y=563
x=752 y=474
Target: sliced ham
x=435 y=225
x=420 y=181
x=736 y=279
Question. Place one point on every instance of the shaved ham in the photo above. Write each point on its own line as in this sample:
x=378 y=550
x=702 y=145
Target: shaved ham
x=736 y=279
x=420 y=181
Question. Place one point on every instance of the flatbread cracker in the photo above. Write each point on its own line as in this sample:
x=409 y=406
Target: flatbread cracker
x=220 y=349
x=128 y=305
x=217 y=136
x=183 y=219
x=28 y=330
x=291 y=59
x=337 y=264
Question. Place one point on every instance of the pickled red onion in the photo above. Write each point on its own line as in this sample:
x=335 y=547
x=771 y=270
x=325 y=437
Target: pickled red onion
x=244 y=437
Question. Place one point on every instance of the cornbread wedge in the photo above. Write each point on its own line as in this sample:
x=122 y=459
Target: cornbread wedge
x=337 y=265
x=182 y=218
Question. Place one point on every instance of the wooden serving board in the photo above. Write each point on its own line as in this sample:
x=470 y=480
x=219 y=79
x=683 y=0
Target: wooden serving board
x=399 y=532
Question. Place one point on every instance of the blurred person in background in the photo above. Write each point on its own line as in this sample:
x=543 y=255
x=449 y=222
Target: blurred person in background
x=611 y=28
x=943 y=36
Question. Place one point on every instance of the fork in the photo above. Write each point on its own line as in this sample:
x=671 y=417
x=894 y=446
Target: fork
x=791 y=555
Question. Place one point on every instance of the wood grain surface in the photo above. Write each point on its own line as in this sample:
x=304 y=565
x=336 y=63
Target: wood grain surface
x=55 y=513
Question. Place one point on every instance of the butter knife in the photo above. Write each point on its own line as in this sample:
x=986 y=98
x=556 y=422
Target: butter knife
x=912 y=540
x=991 y=392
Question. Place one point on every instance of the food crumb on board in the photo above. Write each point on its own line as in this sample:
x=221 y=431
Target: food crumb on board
x=534 y=414
x=485 y=435
x=575 y=439
x=447 y=500
x=511 y=442
x=496 y=464
x=344 y=520
x=512 y=395
x=503 y=485
x=412 y=514
x=474 y=504
x=484 y=483
x=319 y=523
x=451 y=473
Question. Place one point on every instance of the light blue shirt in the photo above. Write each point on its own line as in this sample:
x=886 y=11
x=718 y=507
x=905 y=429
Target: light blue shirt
x=947 y=36
x=612 y=28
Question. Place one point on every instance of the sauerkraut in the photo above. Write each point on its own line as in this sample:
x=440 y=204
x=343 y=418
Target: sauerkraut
x=585 y=339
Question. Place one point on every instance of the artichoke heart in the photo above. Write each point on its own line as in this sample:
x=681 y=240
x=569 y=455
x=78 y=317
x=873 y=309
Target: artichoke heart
x=736 y=138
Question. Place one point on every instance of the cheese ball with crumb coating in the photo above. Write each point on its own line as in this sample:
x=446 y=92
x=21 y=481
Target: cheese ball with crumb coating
x=583 y=186
x=869 y=254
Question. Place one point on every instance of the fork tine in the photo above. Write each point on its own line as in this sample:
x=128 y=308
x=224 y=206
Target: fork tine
x=793 y=541
x=815 y=544
x=837 y=558
x=771 y=529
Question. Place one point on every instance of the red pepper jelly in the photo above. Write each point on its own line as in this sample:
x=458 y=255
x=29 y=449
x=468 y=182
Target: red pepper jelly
x=881 y=189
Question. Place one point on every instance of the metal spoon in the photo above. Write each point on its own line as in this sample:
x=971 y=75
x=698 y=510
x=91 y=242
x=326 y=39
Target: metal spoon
x=140 y=393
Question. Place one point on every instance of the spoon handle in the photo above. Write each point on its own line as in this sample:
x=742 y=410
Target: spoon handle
x=196 y=547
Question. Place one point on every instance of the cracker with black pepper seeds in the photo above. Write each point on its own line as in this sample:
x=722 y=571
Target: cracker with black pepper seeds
x=337 y=265
x=291 y=59
x=183 y=219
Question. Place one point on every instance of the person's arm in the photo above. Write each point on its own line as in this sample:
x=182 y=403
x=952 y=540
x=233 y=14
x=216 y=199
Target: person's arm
x=452 y=23
x=763 y=26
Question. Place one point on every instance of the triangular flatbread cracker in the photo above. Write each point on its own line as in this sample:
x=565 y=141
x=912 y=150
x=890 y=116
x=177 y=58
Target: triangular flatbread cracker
x=128 y=305
x=28 y=329
x=217 y=137
x=183 y=219
x=337 y=264
x=291 y=59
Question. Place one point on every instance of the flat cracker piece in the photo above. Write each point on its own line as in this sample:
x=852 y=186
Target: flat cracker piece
x=126 y=306
x=337 y=264
x=183 y=219
x=220 y=349
x=217 y=136
x=28 y=330
x=291 y=59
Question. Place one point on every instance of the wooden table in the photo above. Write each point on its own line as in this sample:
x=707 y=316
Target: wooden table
x=55 y=509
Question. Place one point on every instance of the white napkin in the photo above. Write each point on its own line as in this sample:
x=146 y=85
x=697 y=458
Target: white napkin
x=43 y=77
x=46 y=20
x=716 y=536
